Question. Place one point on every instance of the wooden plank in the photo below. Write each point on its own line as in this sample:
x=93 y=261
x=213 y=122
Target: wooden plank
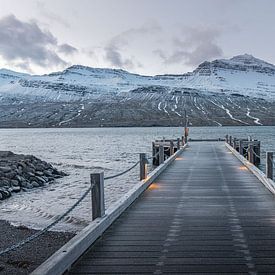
x=205 y=214
x=60 y=261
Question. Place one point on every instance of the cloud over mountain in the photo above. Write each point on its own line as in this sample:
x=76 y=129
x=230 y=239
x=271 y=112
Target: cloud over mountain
x=24 y=43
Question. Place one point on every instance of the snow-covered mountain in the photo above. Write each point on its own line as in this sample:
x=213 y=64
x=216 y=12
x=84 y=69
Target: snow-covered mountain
x=243 y=74
x=236 y=91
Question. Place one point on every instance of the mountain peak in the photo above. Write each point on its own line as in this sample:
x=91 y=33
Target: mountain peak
x=250 y=60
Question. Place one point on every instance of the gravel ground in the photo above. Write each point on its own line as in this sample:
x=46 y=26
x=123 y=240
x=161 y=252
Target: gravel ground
x=31 y=255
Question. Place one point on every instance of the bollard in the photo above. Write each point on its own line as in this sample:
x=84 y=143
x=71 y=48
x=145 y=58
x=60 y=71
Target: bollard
x=234 y=143
x=178 y=143
x=230 y=140
x=171 y=148
x=143 y=166
x=161 y=154
x=269 y=165
x=226 y=138
x=250 y=153
x=97 y=193
x=154 y=151
x=241 y=147
x=257 y=149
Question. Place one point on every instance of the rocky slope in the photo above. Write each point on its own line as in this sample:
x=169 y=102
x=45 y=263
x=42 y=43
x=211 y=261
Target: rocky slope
x=237 y=91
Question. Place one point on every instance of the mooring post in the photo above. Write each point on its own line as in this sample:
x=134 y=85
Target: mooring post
x=97 y=193
x=226 y=138
x=250 y=153
x=171 y=148
x=241 y=147
x=269 y=165
x=178 y=143
x=143 y=166
x=230 y=140
x=182 y=140
x=161 y=154
x=154 y=151
x=257 y=150
x=234 y=143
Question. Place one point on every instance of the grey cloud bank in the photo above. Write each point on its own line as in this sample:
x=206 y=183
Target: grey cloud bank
x=25 y=43
x=145 y=36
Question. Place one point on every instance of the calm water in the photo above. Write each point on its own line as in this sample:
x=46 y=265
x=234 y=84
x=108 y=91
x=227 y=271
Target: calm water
x=82 y=151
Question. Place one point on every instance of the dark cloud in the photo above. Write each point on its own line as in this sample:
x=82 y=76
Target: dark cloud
x=113 y=55
x=26 y=42
x=67 y=49
x=193 y=46
x=114 y=51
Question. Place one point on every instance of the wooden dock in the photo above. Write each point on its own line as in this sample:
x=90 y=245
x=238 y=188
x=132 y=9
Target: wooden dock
x=206 y=213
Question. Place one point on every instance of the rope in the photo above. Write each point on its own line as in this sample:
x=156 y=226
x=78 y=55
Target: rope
x=122 y=173
x=153 y=156
x=255 y=154
x=36 y=235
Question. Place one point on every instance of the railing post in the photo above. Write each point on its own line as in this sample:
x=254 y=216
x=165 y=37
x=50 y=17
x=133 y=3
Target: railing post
x=269 y=165
x=178 y=143
x=97 y=192
x=234 y=143
x=241 y=147
x=161 y=154
x=182 y=140
x=250 y=153
x=171 y=148
x=154 y=151
x=143 y=166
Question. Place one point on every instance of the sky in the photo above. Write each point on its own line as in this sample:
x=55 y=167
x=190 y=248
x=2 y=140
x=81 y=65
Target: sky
x=142 y=36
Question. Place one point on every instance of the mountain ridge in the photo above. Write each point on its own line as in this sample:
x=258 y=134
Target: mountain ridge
x=236 y=91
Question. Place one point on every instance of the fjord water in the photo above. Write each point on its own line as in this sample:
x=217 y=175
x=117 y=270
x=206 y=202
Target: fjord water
x=82 y=151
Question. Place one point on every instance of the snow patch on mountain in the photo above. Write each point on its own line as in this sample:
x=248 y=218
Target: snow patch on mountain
x=244 y=75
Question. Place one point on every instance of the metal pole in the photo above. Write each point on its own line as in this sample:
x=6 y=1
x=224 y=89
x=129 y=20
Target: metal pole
x=161 y=154
x=97 y=193
x=269 y=165
x=143 y=166
x=185 y=127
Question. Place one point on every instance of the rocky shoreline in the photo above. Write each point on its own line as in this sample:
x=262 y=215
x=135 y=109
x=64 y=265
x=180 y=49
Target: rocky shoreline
x=22 y=172
x=24 y=260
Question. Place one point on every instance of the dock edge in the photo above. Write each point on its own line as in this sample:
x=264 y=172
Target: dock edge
x=68 y=254
x=268 y=183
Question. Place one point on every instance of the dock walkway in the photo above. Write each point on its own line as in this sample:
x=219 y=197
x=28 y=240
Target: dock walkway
x=206 y=213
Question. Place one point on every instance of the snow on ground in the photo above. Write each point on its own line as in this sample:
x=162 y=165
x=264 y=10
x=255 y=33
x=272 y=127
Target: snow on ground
x=228 y=112
x=256 y=120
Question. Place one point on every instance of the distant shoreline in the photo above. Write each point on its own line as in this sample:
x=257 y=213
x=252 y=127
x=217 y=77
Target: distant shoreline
x=106 y=127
